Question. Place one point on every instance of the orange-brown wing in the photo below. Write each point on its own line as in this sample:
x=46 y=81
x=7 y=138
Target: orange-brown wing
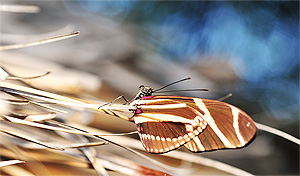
x=228 y=127
x=201 y=125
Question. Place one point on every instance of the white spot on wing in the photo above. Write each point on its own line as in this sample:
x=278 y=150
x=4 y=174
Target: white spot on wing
x=248 y=124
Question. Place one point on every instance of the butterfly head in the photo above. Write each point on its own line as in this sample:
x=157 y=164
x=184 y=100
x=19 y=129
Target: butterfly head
x=144 y=91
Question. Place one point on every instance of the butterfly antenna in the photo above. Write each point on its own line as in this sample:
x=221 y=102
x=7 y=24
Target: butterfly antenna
x=183 y=90
x=172 y=84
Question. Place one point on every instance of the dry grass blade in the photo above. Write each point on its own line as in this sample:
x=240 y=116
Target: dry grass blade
x=43 y=41
x=16 y=170
x=91 y=155
x=27 y=138
x=41 y=95
x=208 y=162
x=48 y=107
x=43 y=126
x=71 y=130
x=3 y=74
x=10 y=162
x=130 y=168
x=20 y=8
x=15 y=102
x=78 y=129
x=33 y=117
x=7 y=37
x=278 y=133
x=58 y=99
x=32 y=77
x=119 y=168
x=92 y=144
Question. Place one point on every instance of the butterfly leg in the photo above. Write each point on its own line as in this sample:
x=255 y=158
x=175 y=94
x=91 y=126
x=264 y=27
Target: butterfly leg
x=121 y=96
x=135 y=111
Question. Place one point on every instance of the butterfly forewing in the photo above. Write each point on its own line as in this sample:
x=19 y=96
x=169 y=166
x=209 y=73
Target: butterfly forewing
x=228 y=127
x=167 y=122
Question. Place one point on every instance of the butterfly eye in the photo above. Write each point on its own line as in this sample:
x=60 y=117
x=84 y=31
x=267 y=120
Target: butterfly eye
x=145 y=90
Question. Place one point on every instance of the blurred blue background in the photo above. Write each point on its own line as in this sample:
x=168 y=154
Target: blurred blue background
x=259 y=39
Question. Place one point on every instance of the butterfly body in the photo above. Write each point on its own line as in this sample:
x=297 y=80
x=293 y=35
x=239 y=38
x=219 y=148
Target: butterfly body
x=167 y=122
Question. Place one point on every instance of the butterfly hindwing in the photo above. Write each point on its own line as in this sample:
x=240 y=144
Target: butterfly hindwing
x=161 y=137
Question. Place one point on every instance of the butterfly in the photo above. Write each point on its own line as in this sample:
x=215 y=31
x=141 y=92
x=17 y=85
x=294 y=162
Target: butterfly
x=166 y=122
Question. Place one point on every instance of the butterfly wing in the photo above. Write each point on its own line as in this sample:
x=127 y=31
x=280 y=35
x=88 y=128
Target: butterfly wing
x=228 y=127
x=165 y=124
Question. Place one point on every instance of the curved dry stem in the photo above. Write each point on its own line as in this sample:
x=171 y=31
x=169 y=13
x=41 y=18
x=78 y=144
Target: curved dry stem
x=61 y=100
x=10 y=162
x=278 y=133
x=27 y=138
x=7 y=37
x=19 y=8
x=208 y=162
x=15 y=102
x=39 y=42
x=31 y=77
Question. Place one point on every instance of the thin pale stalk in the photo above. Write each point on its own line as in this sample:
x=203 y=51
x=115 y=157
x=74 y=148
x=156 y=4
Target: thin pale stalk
x=19 y=8
x=39 y=42
x=10 y=162
x=27 y=138
x=278 y=133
